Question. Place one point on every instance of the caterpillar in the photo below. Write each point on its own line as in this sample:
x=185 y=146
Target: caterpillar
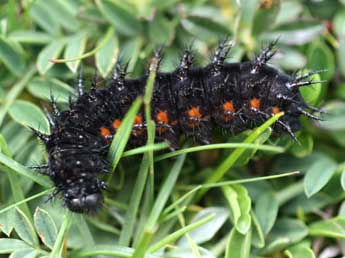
x=190 y=100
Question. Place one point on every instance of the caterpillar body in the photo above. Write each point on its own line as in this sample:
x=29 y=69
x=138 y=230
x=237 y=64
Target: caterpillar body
x=190 y=101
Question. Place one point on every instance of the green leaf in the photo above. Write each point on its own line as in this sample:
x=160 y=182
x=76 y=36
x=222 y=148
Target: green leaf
x=341 y=53
x=9 y=245
x=266 y=210
x=207 y=231
x=24 y=228
x=51 y=51
x=318 y=175
x=161 y=30
x=338 y=24
x=25 y=253
x=313 y=93
x=240 y=205
x=123 y=21
x=38 y=13
x=299 y=252
x=320 y=56
x=28 y=114
x=266 y=16
x=258 y=237
x=59 y=243
x=61 y=12
x=107 y=55
x=45 y=227
x=305 y=146
x=75 y=46
x=342 y=179
x=334 y=120
x=30 y=37
x=11 y=57
x=334 y=228
x=238 y=245
x=204 y=29
x=6 y=222
x=284 y=233
x=232 y=198
x=296 y=33
x=45 y=87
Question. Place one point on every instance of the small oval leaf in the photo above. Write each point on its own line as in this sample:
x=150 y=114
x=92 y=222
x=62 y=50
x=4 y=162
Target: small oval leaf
x=28 y=114
x=51 y=51
x=24 y=228
x=75 y=47
x=45 y=227
x=11 y=57
x=107 y=55
x=318 y=175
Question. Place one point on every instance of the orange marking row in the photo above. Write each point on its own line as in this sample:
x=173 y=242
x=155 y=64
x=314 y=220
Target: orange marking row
x=255 y=103
x=194 y=113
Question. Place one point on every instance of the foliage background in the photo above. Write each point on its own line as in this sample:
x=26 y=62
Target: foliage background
x=298 y=216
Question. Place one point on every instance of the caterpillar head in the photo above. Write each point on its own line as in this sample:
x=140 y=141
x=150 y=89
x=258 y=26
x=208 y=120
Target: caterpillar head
x=78 y=200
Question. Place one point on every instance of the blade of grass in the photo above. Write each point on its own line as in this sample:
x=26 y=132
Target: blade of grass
x=16 y=188
x=150 y=124
x=119 y=143
x=221 y=146
x=176 y=235
x=163 y=195
x=249 y=180
x=146 y=148
x=109 y=250
x=16 y=89
x=180 y=200
x=143 y=245
x=27 y=200
x=23 y=171
x=59 y=243
x=127 y=229
x=233 y=157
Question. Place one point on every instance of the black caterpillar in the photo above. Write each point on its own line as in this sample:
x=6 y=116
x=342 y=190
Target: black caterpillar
x=190 y=100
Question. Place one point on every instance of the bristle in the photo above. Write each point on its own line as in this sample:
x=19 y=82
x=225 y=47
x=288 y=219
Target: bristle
x=43 y=137
x=49 y=117
x=265 y=55
x=185 y=64
x=301 y=77
x=221 y=54
x=305 y=113
x=296 y=85
x=56 y=111
x=80 y=84
x=289 y=130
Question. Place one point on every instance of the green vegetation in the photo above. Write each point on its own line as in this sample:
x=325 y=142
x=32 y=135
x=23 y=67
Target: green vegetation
x=239 y=199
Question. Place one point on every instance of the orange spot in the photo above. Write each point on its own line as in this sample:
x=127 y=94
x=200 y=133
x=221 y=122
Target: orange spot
x=162 y=117
x=116 y=123
x=228 y=106
x=138 y=119
x=105 y=132
x=161 y=129
x=255 y=103
x=174 y=122
x=275 y=110
x=194 y=112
